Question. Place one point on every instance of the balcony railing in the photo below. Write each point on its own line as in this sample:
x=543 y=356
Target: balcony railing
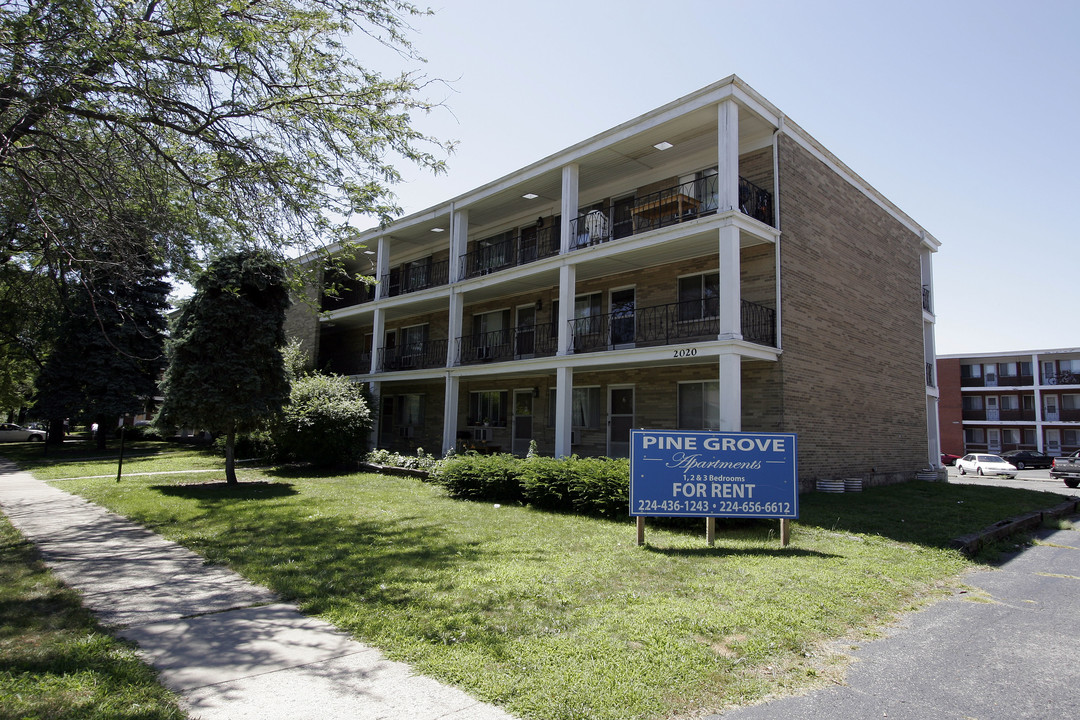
x=686 y=201
x=1061 y=378
x=509 y=344
x=412 y=355
x=668 y=324
x=530 y=245
x=929 y=374
x=354 y=293
x=416 y=277
x=926 y=298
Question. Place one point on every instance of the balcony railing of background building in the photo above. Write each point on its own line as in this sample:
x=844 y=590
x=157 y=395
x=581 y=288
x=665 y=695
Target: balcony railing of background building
x=926 y=298
x=515 y=343
x=416 y=277
x=1061 y=378
x=930 y=374
x=353 y=293
x=413 y=355
x=667 y=324
x=530 y=244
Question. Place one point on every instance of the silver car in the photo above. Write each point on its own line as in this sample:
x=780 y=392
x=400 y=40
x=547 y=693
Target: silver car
x=984 y=464
x=10 y=432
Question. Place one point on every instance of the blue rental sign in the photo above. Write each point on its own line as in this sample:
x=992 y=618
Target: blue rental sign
x=713 y=474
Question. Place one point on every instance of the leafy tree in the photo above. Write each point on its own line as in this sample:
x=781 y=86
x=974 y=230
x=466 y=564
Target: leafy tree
x=220 y=120
x=326 y=421
x=226 y=373
x=109 y=350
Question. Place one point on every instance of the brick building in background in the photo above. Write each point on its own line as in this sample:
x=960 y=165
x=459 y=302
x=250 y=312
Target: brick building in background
x=707 y=265
x=996 y=402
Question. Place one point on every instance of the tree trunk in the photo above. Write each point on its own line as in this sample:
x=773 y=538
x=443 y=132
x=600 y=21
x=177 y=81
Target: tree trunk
x=100 y=436
x=230 y=457
x=56 y=431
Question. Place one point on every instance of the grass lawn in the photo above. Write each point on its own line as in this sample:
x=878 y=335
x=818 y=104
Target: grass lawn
x=557 y=617
x=55 y=662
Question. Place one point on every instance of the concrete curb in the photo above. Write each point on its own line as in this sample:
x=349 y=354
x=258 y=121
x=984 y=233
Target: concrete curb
x=971 y=543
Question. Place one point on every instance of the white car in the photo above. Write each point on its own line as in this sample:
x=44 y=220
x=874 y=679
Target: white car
x=982 y=464
x=10 y=432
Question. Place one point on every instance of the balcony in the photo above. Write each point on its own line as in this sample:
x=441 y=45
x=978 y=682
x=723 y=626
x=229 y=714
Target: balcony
x=687 y=201
x=929 y=374
x=345 y=295
x=413 y=355
x=926 y=298
x=527 y=341
x=414 y=277
x=529 y=245
x=689 y=321
x=1061 y=378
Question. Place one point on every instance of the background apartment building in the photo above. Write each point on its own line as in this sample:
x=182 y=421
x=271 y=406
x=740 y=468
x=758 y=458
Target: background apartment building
x=1027 y=400
x=707 y=265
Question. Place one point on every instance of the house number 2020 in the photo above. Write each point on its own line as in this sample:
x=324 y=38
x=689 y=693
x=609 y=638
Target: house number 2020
x=685 y=352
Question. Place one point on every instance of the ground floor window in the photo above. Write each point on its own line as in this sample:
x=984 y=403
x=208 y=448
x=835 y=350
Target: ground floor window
x=586 y=408
x=699 y=405
x=1010 y=436
x=973 y=402
x=410 y=410
x=975 y=436
x=488 y=407
x=1072 y=437
x=1029 y=436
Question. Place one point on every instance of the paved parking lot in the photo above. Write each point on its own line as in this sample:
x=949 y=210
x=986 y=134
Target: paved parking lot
x=1024 y=480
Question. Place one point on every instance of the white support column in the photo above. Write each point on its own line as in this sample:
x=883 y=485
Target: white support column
x=453 y=326
x=375 y=388
x=567 y=292
x=378 y=338
x=569 y=206
x=730 y=284
x=730 y=392
x=564 y=398
x=382 y=267
x=459 y=242
x=450 y=414
x=727 y=180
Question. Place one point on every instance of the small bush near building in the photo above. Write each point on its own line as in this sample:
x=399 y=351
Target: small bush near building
x=326 y=421
x=588 y=486
x=420 y=461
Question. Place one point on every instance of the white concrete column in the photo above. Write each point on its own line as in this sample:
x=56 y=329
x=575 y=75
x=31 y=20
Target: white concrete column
x=730 y=392
x=569 y=207
x=459 y=242
x=730 y=284
x=727 y=180
x=453 y=326
x=450 y=413
x=374 y=389
x=567 y=292
x=378 y=338
x=564 y=398
x=382 y=268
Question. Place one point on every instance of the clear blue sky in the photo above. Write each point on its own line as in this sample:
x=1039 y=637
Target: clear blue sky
x=962 y=113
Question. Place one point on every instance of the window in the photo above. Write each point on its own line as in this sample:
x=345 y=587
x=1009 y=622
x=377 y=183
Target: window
x=587 y=313
x=1029 y=402
x=970 y=371
x=1072 y=437
x=1010 y=402
x=699 y=405
x=973 y=402
x=699 y=296
x=1010 y=436
x=1025 y=368
x=1007 y=369
x=975 y=436
x=410 y=410
x=1070 y=402
x=488 y=407
x=1029 y=436
x=585 y=407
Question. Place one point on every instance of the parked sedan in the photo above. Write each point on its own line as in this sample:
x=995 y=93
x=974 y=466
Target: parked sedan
x=1021 y=459
x=981 y=464
x=10 y=432
x=949 y=458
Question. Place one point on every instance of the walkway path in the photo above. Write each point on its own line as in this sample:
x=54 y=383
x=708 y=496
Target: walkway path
x=230 y=649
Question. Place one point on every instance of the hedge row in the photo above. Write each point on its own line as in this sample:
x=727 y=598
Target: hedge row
x=586 y=486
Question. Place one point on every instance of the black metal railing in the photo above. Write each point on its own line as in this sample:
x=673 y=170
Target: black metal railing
x=354 y=292
x=680 y=203
x=929 y=374
x=926 y=298
x=412 y=355
x=1062 y=378
x=509 y=344
x=688 y=321
x=529 y=245
x=416 y=277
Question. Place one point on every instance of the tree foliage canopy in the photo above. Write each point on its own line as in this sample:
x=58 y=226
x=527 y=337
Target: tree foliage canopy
x=326 y=421
x=219 y=120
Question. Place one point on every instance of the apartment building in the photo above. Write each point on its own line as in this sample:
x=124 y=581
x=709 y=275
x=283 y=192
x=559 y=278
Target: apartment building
x=1027 y=400
x=707 y=265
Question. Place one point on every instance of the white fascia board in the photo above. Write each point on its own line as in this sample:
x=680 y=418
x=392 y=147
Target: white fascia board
x=1016 y=353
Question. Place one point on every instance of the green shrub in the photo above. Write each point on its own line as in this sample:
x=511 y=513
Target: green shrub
x=255 y=444
x=420 y=461
x=326 y=420
x=481 y=477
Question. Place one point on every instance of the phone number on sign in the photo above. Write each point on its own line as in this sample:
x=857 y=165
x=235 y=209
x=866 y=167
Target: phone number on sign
x=724 y=506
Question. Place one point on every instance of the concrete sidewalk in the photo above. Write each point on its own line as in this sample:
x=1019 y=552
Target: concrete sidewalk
x=230 y=649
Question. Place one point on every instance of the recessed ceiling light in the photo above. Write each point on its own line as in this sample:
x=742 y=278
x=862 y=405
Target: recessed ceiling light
x=438 y=229
x=663 y=145
x=530 y=196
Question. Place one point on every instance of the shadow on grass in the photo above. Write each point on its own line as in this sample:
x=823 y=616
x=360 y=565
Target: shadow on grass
x=778 y=551
x=221 y=491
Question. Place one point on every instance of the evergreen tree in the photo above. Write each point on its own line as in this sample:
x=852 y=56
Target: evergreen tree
x=226 y=372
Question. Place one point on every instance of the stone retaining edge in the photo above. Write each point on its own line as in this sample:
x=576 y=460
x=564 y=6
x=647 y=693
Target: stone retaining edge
x=971 y=543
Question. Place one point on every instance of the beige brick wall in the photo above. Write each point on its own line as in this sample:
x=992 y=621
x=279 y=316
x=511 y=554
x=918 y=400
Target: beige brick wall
x=852 y=367
x=302 y=321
